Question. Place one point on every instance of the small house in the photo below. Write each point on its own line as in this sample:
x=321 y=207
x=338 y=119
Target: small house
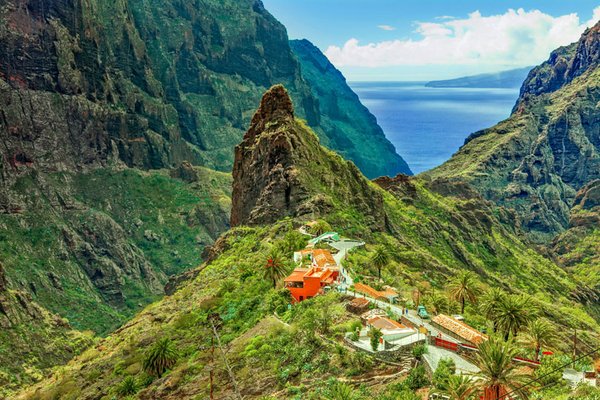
x=387 y=294
x=458 y=329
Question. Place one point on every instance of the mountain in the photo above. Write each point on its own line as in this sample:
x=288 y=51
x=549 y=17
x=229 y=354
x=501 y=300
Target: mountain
x=539 y=158
x=345 y=120
x=298 y=350
x=118 y=122
x=504 y=79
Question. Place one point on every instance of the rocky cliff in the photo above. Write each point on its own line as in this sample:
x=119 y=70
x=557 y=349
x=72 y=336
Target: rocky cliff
x=148 y=83
x=536 y=161
x=281 y=170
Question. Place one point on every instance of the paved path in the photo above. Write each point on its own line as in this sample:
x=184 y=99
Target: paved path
x=343 y=247
x=435 y=354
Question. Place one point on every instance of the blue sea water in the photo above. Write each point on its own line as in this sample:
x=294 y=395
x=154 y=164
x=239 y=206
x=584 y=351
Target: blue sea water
x=428 y=125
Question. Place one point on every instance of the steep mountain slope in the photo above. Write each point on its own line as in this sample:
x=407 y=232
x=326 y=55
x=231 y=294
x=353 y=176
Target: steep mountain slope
x=93 y=95
x=537 y=160
x=151 y=83
x=433 y=237
x=345 y=121
x=31 y=339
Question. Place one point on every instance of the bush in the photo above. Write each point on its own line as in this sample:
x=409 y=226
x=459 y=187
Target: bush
x=419 y=351
x=417 y=378
x=446 y=368
x=160 y=357
x=354 y=336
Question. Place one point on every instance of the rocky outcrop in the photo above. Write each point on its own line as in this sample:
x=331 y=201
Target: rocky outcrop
x=281 y=170
x=266 y=186
x=349 y=126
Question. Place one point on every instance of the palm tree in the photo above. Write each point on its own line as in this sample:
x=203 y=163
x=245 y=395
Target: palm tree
x=438 y=302
x=489 y=304
x=380 y=258
x=320 y=227
x=464 y=288
x=160 y=357
x=539 y=333
x=275 y=268
x=513 y=313
x=498 y=373
x=460 y=387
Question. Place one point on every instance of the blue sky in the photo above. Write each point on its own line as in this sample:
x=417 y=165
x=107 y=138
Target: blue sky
x=421 y=40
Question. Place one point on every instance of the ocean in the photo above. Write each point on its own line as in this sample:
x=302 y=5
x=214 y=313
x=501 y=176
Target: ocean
x=428 y=125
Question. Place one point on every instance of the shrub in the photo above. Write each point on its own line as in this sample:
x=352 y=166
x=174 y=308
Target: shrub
x=419 y=351
x=128 y=386
x=445 y=369
x=417 y=378
x=160 y=357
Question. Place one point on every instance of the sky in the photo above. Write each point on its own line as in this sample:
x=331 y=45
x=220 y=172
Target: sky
x=410 y=40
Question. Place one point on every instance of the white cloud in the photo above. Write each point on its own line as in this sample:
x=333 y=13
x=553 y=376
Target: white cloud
x=515 y=38
x=386 y=27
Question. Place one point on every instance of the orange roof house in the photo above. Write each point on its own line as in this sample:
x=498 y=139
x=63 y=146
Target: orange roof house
x=386 y=294
x=305 y=283
x=458 y=329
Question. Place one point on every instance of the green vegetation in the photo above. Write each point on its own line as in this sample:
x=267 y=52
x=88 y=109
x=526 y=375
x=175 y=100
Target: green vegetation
x=160 y=357
x=498 y=372
x=375 y=335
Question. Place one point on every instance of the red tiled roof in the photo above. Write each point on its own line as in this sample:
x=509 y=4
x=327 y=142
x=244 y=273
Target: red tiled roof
x=359 y=302
x=297 y=275
x=369 y=291
x=323 y=258
x=386 y=323
x=459 y=328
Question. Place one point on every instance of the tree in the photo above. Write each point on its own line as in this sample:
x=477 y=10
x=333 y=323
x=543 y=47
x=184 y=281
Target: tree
x=459 y=387
x=498 y=373
x=463 y=288
x=380 y=258
x=438 y=302
x=375 y=334
x=320 y=227
x=274 y=268
x=538 y=333
x=489 y=305
x=514 y=312
x=160 y=357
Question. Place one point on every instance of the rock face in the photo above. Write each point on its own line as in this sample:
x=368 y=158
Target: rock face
x=147 y=83
x=537 y=160
x=277 y=170
x=349 y=127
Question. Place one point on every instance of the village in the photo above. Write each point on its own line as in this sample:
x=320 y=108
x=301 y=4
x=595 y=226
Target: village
x=394 y=328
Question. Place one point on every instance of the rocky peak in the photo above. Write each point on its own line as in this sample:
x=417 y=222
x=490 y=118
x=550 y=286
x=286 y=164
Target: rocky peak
x=276 y=105
x=281 y=170
x=265 y=186
x=565 y=64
